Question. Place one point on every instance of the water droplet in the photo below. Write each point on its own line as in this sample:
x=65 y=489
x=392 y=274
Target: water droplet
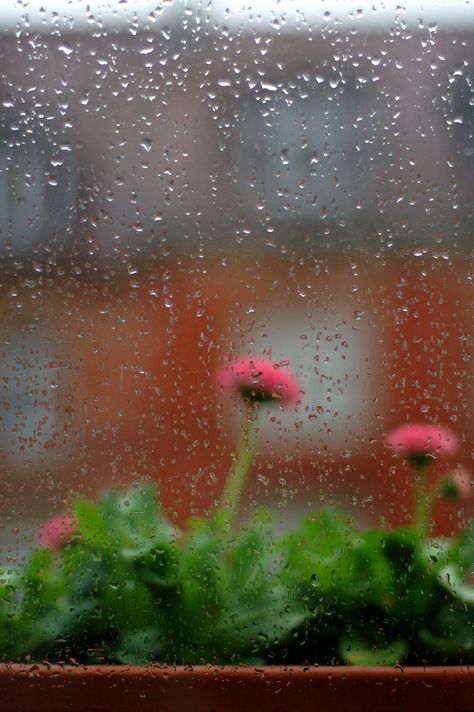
x=66 y=48
x=269 y=86
x=146 y=143
x=284 y=156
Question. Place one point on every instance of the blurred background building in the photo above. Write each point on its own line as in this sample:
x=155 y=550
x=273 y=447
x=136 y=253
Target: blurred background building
x=181 y=182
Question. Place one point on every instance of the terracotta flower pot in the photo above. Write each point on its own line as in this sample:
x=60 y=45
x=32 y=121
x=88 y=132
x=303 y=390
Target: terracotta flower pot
x=42 y=688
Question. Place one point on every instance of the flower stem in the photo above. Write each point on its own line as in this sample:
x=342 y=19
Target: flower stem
x=422 y=499
x=240 y=468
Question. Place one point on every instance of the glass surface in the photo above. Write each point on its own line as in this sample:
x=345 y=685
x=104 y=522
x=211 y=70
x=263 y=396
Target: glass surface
x=185 y=184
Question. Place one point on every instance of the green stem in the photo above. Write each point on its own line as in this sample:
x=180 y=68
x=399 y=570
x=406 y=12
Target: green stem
x=240 y=468
x=422 y=501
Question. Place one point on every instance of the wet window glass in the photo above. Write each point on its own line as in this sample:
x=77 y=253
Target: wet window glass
x=235 y=355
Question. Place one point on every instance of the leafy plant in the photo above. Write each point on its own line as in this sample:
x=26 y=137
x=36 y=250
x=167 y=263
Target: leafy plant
x=116 y=582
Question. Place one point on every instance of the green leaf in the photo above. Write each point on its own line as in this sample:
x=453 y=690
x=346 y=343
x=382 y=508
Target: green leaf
x=158 y=567
x=91 y=522
x=462 y=553
x=358 y=652
x=140 y=646
x=451 y=579
x=451 y=633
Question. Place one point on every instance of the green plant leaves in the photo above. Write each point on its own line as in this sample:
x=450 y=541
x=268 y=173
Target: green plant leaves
x=131 y=587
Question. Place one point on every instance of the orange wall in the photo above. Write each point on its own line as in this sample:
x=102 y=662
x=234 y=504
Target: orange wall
x=137 y=397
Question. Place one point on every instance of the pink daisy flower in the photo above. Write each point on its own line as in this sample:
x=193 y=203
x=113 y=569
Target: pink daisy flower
x=422 y=440
x=258 y=379
x=56 y=532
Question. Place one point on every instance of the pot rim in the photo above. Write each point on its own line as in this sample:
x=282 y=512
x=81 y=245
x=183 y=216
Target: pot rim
x=21 y=670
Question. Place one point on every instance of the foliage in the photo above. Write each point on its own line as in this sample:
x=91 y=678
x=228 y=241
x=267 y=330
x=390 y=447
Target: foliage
x=129 y=587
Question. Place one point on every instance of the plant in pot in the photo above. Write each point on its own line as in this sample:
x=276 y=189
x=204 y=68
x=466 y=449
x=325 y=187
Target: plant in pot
x=119 y=607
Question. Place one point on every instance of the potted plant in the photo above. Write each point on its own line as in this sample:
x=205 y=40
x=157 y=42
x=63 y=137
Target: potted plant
x=118 y=607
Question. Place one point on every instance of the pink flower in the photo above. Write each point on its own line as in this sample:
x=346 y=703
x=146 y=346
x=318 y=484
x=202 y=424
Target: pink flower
x=56 y=532
x=259 y=380
x=422 y=440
